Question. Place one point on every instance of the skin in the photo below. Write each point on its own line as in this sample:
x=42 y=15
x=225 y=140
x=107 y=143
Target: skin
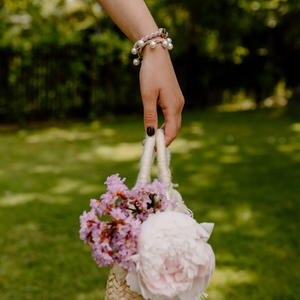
x=158 y=82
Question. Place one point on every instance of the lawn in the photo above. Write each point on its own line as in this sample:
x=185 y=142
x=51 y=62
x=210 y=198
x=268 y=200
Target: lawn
x=239 y=170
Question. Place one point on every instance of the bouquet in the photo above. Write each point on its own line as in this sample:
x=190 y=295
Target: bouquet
x=115 y=239
x=149 y=232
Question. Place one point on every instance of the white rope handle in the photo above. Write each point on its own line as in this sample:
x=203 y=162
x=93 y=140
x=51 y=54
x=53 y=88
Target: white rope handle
x=147 y=159
x=163 y=163
x=163 y=159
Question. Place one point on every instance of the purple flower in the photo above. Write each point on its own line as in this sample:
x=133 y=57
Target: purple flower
x=86 y=222
x=144 y=202
x=135 y=228
x=158 y=188
x=108 y=201
x=116 y=240
x=97 y=232
x=132 y=195
x=114 y=179
x=101 y=258
x=117 y=214
x=142 y=186
x=118 y=189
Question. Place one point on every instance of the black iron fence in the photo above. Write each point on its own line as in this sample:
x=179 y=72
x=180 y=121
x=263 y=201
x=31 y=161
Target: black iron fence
x=61 y=82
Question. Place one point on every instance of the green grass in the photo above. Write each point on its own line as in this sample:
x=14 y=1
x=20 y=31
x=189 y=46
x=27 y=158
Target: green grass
x=239 y=170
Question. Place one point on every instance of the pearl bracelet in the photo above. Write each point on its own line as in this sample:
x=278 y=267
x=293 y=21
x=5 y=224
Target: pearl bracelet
x=160 y=36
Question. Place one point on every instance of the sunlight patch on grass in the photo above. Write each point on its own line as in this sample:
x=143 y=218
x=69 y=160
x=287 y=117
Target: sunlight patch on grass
x=11 y=200
x=224 y=279
x=243 y=214
x=230 y=149
x=108 y=132
x=247 y=104
x=194 y=128
x=288 y=148
x=66 y=185
x=226 y=227
x=200 y=180
x=197 y=130
x=230 y=159
x=54 y=134
x=17 y=199
x=120 y=152
x=17 y=166
x=93 y=295
x=184 y=146
x=295 y=127
x=85 y=156
x=41 y=169
x=218 y=215
x=91 y=189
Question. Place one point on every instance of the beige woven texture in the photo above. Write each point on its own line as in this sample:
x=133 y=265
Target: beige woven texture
x=117 y=288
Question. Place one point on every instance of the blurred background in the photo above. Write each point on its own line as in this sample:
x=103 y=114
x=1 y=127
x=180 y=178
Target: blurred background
x=62 y=59
x=71 y=115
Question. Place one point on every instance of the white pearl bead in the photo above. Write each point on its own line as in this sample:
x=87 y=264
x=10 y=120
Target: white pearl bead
x=170 y=46
x=169 y=40
x=134 y=51
x=136 y=61
x=140 y=43
x=152 y=44
x=165 y=44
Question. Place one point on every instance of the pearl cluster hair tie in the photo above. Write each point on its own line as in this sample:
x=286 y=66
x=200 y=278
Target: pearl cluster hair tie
x=160 y=36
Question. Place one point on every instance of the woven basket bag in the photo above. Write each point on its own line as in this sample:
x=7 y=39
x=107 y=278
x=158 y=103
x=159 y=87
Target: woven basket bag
x=117 y=288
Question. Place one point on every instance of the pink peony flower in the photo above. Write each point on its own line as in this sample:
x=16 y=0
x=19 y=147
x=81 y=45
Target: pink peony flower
x=173 y=260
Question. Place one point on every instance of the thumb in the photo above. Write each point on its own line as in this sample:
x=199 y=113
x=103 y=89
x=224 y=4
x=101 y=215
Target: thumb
x=150 y=115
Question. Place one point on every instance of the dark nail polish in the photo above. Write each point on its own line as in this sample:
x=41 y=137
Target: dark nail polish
x=150 y=131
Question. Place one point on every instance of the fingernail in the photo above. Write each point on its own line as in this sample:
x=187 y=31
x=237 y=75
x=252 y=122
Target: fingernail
x=150 y=131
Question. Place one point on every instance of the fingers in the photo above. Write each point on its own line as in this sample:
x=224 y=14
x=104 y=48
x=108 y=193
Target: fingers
x=150 y=115
x=171 y=128
x=171 y=108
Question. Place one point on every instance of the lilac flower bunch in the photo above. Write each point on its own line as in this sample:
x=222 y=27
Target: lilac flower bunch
x=112 y=226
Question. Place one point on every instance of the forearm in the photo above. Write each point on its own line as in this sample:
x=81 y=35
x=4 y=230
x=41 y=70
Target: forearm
x=131 y=16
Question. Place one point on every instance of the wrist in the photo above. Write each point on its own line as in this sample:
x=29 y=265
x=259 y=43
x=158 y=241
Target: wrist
x=158 y=50
x=151 y=41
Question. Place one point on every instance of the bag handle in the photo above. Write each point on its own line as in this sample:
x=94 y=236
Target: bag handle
x=147 y=160
x=163 y=159
x=163 y=163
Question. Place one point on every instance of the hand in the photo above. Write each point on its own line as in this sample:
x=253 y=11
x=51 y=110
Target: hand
x=159 y=85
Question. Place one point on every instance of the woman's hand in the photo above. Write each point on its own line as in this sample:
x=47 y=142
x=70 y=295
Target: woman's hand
x=158 y=81
x=159 y=86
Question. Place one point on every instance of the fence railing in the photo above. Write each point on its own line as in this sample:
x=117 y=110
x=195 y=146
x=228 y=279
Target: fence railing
x=60 y=82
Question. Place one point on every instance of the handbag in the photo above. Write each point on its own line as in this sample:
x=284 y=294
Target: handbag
x=117 y=288
x=155 y=247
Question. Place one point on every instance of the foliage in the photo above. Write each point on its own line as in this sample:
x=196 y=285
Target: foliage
x=238 y=170
x=221 y=46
